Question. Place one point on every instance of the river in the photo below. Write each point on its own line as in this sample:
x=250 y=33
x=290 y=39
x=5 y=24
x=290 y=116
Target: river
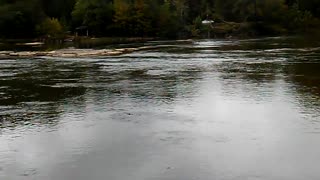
x=198 y=110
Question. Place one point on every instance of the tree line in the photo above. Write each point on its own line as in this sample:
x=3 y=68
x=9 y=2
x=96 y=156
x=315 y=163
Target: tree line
x=153 y=18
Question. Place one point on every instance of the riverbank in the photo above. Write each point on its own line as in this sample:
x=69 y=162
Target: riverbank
x=80 y=47
x=70 y=52
x=99 y=47
x=75 y=52
x=50 y=44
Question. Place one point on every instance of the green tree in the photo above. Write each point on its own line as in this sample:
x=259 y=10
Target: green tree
x=141 y=23
x=18 y=19
x=50 y=27
x=122 y=16
x=95 y=14
x=60 y=9
x=313 y=6
x=225 y=9
x=297 y=19
x=168 y=22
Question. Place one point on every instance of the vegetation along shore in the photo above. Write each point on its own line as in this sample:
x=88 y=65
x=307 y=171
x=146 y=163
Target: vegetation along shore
x=169 y=19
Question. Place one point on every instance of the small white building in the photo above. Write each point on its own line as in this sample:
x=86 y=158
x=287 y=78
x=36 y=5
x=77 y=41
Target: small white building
x=207 y=22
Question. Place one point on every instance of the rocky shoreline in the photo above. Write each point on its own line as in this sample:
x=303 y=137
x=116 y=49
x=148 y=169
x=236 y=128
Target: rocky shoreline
x=73 y=52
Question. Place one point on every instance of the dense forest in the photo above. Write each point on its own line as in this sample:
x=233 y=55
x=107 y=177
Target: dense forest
x=155 y=18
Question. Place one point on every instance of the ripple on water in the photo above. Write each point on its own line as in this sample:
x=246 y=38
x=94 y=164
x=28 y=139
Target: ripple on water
x=200 y=109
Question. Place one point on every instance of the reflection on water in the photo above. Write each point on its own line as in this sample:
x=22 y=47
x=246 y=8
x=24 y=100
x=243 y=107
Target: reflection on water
x=238 y=109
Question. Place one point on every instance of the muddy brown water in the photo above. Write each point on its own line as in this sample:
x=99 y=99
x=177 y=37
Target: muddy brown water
x=218 y=109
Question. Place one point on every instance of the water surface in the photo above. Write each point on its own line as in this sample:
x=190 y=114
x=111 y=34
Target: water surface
x=219 y=109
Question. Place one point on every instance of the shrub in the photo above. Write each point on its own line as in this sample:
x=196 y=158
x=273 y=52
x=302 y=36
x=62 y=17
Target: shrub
x=51 y=28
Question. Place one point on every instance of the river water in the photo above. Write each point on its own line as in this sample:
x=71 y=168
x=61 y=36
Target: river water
x=198 y=110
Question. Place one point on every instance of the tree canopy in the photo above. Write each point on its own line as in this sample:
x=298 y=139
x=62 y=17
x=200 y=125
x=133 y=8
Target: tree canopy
x=160 y=18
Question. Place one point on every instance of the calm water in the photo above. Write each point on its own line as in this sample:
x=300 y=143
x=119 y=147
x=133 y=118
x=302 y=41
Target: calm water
x=224 y=110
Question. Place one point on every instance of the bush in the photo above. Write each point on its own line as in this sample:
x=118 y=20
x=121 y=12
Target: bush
x=195 y=28
x=51 y=28
x=299 y=20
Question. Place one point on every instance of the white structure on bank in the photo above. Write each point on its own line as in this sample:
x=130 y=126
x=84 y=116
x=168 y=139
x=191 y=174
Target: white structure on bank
x=208 y=23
